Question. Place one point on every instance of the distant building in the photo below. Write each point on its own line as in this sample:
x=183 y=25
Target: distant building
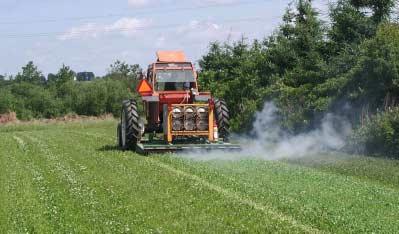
x=85 y=76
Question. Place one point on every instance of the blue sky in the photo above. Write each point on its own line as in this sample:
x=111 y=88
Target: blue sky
x=89 y=35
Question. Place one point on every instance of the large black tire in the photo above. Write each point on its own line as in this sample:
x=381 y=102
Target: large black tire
x=130 y=126
x=119 y=135
x=222 y=118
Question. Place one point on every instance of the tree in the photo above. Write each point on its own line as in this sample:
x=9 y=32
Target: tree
x=297 y=55
x=381 y=9
x=2 y=81
x=374 y=81
x=130 y=74
x=30 y=74
x=64 y=75
x=285 y=67
x=124 y=70
x=351 y=23
x=62 y=83
x=231 y=72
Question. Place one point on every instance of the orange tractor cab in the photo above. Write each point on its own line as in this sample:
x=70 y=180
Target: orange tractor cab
x=177 y=115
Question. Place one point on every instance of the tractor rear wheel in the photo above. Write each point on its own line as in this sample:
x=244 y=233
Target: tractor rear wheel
x=130 y=132
x=222 y=118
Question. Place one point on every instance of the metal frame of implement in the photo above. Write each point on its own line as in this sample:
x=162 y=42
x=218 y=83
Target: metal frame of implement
x=145 y=148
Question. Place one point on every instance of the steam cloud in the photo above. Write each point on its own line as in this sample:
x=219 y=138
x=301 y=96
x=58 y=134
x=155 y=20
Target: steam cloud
x=269 y=142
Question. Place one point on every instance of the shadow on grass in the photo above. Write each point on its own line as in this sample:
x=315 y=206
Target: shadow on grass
x=107 y=148
x=115 y=148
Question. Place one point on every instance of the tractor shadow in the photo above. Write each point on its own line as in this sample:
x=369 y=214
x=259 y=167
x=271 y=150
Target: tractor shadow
x=115 y=148
x=109 y=148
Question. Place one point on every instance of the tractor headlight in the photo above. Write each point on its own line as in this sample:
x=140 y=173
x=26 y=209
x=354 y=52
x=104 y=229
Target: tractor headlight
x=177 y=113
x=202 y=112
x=189 y=112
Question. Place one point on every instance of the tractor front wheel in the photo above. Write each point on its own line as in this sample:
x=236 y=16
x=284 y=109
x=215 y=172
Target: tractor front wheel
x=130 y=131
x=222 y=118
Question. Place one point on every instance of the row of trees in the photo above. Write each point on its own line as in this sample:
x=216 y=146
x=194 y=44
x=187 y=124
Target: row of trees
x=30 y=95
x=308 y=67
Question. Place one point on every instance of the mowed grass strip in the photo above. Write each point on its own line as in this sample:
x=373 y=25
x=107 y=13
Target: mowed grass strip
x=22 y=191
x=124 y=192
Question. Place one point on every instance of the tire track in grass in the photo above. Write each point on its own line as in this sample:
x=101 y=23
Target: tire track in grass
x=13 y=205
x=82 y=195
x=97 y=135
x=267 y=210
x=45 y=195
x=8 y=198
x=85 y=195
x=116 y=224
x=79 y=196
x=4 y=172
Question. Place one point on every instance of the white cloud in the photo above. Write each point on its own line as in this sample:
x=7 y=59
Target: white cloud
x=128 y=26
x=138 y=3
x=124 y=26
x=87 y=30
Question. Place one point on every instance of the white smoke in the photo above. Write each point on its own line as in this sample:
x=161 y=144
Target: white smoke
x=269 y=142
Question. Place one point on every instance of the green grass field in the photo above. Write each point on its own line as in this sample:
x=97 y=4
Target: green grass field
x=69 y=178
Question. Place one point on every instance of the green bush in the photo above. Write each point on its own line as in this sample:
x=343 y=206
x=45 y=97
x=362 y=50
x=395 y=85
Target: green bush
x=34 y=101
x=7 y=101
x=30 y=101
x=99 y=97
x=379 y=136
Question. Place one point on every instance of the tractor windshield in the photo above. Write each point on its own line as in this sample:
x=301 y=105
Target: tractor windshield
x=174 y=80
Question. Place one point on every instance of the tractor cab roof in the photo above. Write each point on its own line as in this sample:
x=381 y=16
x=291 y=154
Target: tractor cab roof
x=171 y=57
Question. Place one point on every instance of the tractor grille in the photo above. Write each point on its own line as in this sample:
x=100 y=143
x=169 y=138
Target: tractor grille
x=190 y=118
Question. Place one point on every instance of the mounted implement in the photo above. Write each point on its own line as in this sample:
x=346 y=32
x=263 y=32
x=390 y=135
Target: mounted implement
x=177 y=115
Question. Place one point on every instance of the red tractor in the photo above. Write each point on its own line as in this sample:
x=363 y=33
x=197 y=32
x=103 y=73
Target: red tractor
x=177 y=115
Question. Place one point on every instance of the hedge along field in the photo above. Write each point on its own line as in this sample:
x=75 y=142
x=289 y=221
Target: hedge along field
x=70 y=178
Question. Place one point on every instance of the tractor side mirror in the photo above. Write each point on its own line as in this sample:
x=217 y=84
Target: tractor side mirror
x=194 y=91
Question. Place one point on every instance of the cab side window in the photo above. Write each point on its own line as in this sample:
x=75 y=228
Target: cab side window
x=149 y=75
